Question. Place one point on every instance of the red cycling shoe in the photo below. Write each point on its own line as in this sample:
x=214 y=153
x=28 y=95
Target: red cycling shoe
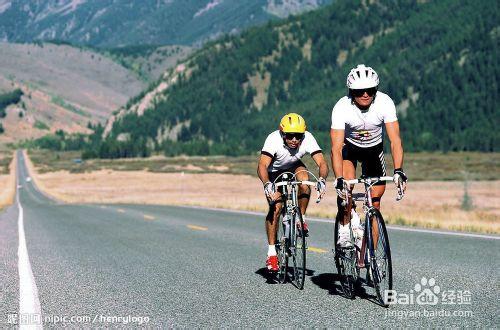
x=306 y=228
x=272 y=263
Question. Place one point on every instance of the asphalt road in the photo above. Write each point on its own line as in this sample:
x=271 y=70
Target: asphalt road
x=136 y=265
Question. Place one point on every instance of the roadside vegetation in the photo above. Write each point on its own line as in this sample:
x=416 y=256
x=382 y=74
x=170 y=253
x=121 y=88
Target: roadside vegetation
x=7 y=99
x=231 y=183
x=424 y=166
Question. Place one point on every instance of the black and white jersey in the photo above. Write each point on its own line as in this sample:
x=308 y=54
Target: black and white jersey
x=363 y=128
x=285 y=157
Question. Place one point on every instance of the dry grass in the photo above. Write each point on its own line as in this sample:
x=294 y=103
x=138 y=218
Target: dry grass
x=427 y=204
x=419 y=166
x=8 y=182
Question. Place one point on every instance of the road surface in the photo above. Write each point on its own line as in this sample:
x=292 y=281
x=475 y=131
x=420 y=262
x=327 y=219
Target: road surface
x=136 y=265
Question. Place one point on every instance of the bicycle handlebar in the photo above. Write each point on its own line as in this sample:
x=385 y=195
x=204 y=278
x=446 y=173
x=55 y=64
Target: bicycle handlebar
x=370 y=180
x=296 y=182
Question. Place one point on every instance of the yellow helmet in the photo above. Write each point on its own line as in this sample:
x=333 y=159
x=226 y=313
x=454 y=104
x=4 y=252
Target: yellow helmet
x=292 y=123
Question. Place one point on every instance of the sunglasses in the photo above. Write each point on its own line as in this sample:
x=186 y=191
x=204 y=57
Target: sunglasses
x=361 y=92
x=290 y=136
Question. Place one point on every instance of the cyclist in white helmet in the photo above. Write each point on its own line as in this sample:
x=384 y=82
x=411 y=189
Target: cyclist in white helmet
x=356 y=136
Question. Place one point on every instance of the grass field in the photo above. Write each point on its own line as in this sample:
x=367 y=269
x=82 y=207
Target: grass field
x=7 y=178
x=228 y=182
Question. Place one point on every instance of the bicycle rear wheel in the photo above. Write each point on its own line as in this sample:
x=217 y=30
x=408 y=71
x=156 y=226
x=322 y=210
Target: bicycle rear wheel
x=298 y=250
x=345 y=261
x=380 y=255
x=282 y=251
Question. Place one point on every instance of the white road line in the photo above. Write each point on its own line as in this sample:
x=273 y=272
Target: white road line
x=428 y=231
x=29 y=304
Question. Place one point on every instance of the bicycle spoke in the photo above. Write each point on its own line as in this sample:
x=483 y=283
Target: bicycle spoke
x=381 y=264
x=282 y=247
x=298 y=252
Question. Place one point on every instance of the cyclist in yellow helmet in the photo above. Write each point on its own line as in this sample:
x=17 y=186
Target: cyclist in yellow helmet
x=282 y=152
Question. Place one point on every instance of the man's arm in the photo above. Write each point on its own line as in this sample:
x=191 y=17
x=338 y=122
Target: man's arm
x=337 y=139
x=321 y=162
x=392 y=130
x=264 y=163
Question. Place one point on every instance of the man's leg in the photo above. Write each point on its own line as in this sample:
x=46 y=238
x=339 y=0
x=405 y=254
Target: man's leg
x=349 y=173
x=272 y=222
x=377 y=192
x=304 y=190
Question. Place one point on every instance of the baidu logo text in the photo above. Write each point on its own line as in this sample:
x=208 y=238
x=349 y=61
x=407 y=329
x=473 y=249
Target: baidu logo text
x=427 y=292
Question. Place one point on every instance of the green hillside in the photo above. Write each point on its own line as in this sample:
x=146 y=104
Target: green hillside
x=437 y=59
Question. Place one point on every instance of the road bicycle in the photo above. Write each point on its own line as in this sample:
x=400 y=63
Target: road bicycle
x=374 y=252
x=291 y=244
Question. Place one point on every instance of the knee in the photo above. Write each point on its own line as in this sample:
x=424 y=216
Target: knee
x=304 y=189
x=304 y=192
x=274 y=211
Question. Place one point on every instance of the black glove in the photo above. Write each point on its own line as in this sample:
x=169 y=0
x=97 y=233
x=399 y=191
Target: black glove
x=400 y=180
x=398 y=173
x=269 y=189
x=321 y=186
x=340 y=187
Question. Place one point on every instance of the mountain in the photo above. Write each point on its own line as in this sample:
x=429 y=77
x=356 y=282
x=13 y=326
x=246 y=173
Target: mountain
x=63 y=88
x=111 y=23
x=436 y=59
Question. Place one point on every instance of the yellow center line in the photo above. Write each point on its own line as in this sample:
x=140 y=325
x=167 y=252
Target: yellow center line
x=197 y=227
x=121 y=210
x=313 y=249
x=148 y=217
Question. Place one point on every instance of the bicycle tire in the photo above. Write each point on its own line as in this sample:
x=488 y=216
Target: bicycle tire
x=381 y=260
x=298 y=250
x=282 y=251
x=345 y=261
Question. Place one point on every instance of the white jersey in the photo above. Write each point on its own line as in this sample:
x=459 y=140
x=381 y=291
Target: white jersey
x=363 y=128
x=284 y=157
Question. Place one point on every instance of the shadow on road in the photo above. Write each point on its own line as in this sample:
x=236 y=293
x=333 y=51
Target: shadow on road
x=271 y=277
x=267 y=275
x=331 y=283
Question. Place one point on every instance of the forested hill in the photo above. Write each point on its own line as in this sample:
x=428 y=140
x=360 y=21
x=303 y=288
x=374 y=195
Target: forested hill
x=438 y=60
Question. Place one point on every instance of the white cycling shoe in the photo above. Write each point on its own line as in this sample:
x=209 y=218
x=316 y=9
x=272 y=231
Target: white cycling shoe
x=344 y=236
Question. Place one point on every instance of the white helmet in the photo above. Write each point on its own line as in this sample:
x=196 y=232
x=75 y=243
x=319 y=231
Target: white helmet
x=362 y=77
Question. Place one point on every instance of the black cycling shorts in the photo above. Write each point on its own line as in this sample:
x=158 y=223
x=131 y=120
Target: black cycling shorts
x=371 y=158
x=274 y=175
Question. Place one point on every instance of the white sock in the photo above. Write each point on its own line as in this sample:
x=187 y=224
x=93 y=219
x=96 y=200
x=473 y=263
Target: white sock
x=344 y=228
x=271 y=251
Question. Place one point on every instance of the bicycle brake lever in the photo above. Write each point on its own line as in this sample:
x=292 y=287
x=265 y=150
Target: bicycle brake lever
x=400 y=194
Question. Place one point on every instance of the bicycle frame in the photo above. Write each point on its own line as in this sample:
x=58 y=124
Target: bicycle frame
x=289 y=244
x=372 y=234
x=368 y=207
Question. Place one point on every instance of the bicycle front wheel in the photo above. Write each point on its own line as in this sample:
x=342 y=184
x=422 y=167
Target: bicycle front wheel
x=380 y=256
x=298 y=250
x=282 y=251
x=345 y=261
